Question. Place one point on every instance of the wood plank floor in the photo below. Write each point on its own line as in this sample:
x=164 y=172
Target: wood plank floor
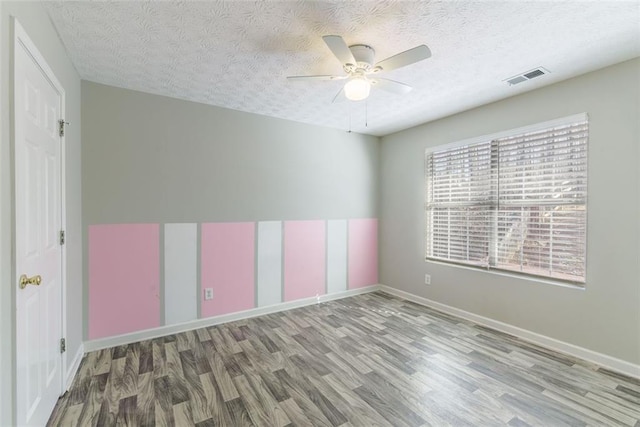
x=368 y=360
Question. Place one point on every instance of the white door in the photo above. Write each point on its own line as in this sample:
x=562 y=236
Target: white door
x=37 y=169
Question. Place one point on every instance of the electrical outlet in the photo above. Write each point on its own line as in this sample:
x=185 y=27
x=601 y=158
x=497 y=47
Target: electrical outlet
x=427 y=279
x=208 y=293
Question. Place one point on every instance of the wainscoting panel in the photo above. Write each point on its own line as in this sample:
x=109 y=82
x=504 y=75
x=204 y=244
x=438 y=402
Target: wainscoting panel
x=363 y=252
x=304 y=259
x=124 y=278
x=269 y=285
x=180 y=273
x=141 y=279
x=228 y=267
x=336 y=256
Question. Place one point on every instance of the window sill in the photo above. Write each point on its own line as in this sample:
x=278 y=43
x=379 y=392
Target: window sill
x=524 y=277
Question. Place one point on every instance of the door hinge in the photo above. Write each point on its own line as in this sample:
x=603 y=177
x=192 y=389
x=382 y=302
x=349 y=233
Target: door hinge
x=62 y=237
x=63 y=345
x=61 y=124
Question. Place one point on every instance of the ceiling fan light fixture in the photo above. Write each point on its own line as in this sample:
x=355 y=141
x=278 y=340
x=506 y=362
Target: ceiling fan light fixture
x=358 y=62
x=357 y=88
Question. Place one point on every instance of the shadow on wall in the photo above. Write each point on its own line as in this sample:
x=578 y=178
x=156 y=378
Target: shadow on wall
x=143 y=276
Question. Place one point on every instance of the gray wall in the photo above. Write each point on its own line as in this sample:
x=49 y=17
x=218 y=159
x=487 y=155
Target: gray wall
x=153 y=159
x=605 y=316
x=148 y=158
x=35 y=21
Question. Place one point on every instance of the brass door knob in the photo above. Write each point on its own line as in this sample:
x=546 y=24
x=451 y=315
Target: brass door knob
x=24 y=281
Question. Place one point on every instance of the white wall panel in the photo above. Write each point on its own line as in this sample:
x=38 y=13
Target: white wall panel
x=269 y=263
x=336 y=256
x=180 y=273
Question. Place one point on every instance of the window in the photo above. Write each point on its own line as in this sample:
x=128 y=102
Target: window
x=515 y=201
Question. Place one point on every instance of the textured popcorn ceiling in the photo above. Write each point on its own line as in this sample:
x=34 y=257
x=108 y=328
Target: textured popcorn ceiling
x=237 y=54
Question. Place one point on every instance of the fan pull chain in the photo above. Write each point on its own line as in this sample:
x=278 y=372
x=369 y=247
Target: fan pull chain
x=349 y=131
x=366 y=114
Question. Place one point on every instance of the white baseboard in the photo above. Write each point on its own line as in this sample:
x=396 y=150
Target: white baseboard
x=603 y=360
x=147 y=334
x=73 y=367
x=608 y=362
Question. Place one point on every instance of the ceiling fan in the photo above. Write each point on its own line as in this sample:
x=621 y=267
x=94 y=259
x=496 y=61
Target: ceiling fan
x=362 y=72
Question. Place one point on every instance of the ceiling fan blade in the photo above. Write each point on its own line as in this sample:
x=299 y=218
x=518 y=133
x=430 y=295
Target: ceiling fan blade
x=391 y=86
x=405 y=58
x=316 y=77
x=340 y=97
x=340 y=49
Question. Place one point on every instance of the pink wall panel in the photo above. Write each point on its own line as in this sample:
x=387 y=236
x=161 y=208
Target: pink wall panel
x=304 y=259
x=124 y=278
x=363 y=252
x=227 y=254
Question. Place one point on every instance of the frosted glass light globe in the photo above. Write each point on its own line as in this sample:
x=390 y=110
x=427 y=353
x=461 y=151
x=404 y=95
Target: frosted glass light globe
x=357 y=89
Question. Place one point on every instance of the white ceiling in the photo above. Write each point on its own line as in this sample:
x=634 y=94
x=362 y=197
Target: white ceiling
x=237 y=54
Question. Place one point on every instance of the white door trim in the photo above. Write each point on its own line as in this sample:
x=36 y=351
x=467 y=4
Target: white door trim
x=21 y=38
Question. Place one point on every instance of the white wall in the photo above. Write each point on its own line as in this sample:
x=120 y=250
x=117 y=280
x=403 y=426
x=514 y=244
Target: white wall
x=605 y=316
x=35 y=21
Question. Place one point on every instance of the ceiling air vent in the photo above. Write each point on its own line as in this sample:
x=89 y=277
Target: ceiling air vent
x=516 y=80
x=532 y=74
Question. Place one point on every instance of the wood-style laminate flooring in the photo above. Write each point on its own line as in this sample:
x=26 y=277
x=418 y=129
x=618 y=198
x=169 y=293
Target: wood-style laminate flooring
x=367 y=360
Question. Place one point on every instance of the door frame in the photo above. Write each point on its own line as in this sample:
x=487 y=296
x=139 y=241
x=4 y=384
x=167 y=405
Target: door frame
x=22 y=40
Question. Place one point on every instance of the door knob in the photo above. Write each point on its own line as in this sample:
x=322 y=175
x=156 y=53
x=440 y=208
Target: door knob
x=24 y=281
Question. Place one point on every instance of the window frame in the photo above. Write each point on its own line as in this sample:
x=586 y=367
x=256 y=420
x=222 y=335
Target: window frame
x=492 y=237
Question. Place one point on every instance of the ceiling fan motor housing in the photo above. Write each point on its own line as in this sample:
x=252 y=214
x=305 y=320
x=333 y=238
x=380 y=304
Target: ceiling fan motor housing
x=363 y=55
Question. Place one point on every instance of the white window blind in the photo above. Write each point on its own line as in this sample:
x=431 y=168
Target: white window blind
x=515 y=202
